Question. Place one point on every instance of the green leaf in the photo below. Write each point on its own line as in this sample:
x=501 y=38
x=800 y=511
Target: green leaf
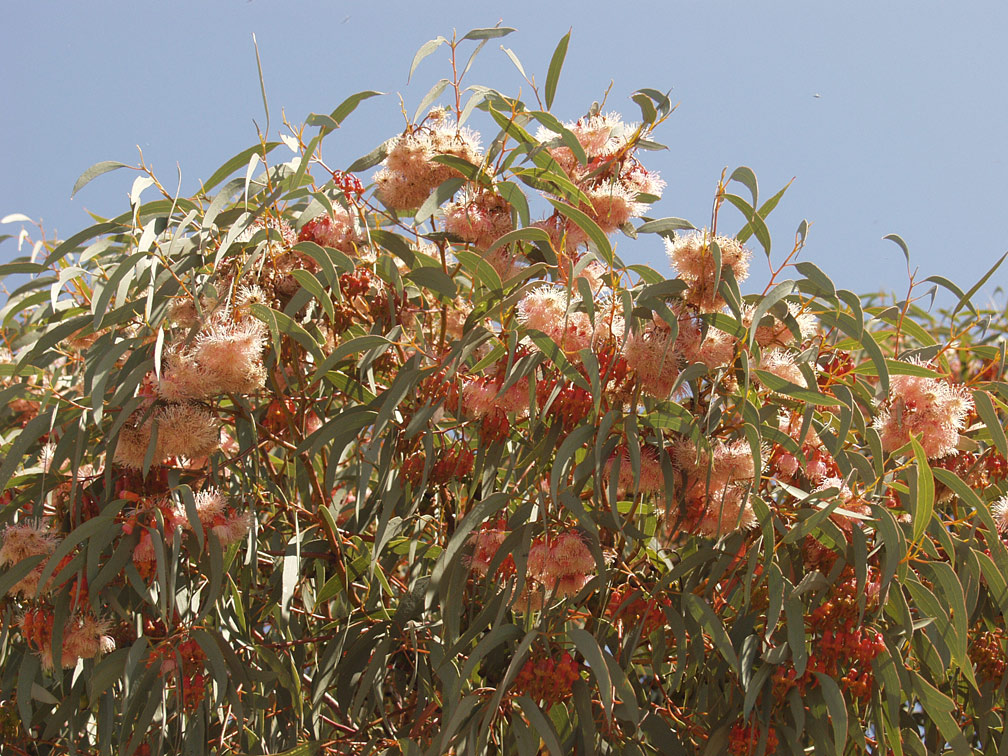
x=898 y=241
x=586 y=224
x=492 y=32
x=434 y=279
x=925 y=491
x=94 y=172
x=756 y=225
x=521 y=234
x=425 y=49
x=965 y=301
x=555 y=66
x=369 y=160
x=469 y=170
x=837 y=708
x=345 y=108
x=569 y=138
x=480 y=269
x=775 y=295
x=280 y=323
x=664 y=226
x=985 y=408
x=762 y=213
x=745 y=176
x=821 y=281
x=444 y=192
x=515 y=197
x=782 y=386
x=237 y=162
x=311 y=284
x=543 y=726
x=589 y=647
x=795 y=619
x=428 y=99
x=704 y=616
x=939 y=708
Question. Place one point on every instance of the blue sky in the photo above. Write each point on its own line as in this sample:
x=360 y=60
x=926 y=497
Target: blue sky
x=889 y=116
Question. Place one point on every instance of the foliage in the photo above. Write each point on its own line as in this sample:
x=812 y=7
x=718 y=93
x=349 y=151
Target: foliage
x=326 y=461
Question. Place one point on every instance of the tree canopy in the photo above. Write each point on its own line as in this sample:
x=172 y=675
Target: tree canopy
x=407 y=456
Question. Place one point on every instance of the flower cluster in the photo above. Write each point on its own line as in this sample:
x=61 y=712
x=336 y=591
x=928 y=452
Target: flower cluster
x=411 y=173
x=930 y=409
x=547 y=680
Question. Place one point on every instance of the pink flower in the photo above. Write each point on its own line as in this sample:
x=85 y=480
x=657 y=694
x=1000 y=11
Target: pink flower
x=717 y=486
x=655 y=357
x=782 y=364
x=479 y=218
x=20 y=542
x=185 y=429
x=485 y=543
x=693 y=259
x=931 y=409
x=561 y=564
x=651 y=478
x=999 y=511
x=548 y=309
x=233 y=528
x=612 y=205
x=410 y=173
x=226 y=357
x=771 y=331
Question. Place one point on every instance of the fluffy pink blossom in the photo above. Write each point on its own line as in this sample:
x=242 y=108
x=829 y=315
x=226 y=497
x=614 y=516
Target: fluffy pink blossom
x=638 y=180
x=479 y=218
x=818 y=461
x=84 y=637
x=651 y=478
x=20 y=542
x=411 y=174
x=232 y=528
x=771 y=331
x=692 y=258
x=562 y=564
x=226 y=358
x=485 y=543
x=655 y=357
x=339 y=230
x=547 y=309
x=482 y=395
x=781 y=363
x=599 y=135
x=717 y=484
x=931 y=409
x=612 y=205
x=705 y=344
x=999 y=511
x=185 y=429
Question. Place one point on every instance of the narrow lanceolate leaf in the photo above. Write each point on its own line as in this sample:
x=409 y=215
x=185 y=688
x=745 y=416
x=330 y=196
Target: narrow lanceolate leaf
x=425 y=49
x=939 y=708
x=665 y=226
x=782 y=386
x=704 y=616
x=92 y=173
x=345 y=108
x=586 y=224
x=985 y=408
x=492 y=32
x=589 y=647
x=923 y=502
x=555 y=66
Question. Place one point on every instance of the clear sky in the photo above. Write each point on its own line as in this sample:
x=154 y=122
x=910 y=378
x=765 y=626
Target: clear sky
x=890 y=116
